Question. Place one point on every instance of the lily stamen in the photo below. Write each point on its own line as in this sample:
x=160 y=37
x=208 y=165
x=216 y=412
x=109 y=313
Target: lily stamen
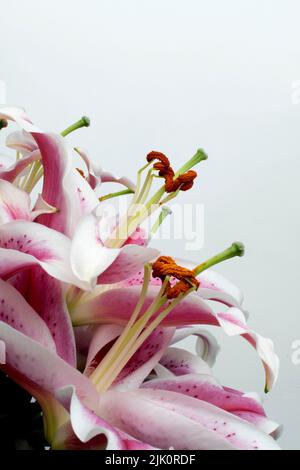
x=166 y=266
x=140 y=327
x=183 y=182
x=139 y=210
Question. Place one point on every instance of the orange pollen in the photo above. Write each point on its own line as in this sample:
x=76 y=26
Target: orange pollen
x=166 y=266
x=182 y=182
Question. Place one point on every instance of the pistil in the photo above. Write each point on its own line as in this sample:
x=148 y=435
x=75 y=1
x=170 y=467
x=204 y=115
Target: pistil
x=236 y=249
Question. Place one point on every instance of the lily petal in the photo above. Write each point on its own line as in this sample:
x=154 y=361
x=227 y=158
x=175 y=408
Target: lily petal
x=144 y=360
x=25 y=244
x=19 y=116
x=63 y=187
x=207 y=346
x=204 y=387
x=97 y=175
x=47 y=296
x=117 y=304
x=233 y=323
x=180 y=362
x=15 y=168
x=87 y=425
x=30 y=362
x=91 y=260
x=92 y=431
x=14 y=203
x=22 y=142
x=17 y=313
x=166 y=419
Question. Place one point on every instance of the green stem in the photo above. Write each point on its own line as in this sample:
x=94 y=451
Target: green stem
x=199 y=156
x=116 y=194
x=83 y=122
x=236 y=249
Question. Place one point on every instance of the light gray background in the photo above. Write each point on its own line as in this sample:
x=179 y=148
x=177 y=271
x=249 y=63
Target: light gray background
x=174 y=75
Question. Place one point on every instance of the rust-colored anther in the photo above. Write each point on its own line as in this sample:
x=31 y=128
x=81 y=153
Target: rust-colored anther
x=80 y=172
x=166 y=266
x=182 y=182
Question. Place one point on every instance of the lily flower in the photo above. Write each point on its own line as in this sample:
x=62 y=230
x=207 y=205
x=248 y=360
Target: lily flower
x=70 y=195
x=66 y=265
x=116 y=303
x=129 y=414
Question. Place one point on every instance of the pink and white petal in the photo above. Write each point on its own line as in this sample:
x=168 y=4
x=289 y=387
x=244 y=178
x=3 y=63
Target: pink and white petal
x=261 y=422
x=89 y=256
x=133 y=444
x=108 y=177
x=181 y=362
x=162 y=372
x=24 y=244
x=91 y=431
x=166 y=419
x=131 y=258
x=210 y=279
x=22 y=142
x=139 y=237
x=207 y=346
x=97 y=175
x=233 y=323
x=56 y=164
x=117 y=304
x=31 y=362
x=83 y=338
x=87 y=425
x=205 y=387
x=42 y=207
x=19 y=116
x=63 y=187
x=91 y=260
x=17 y=313
x=82 y=199
x=144 y=360
x=14 y=203
x=214 y=286
x=47 y=296
x=10 y=172
x=102 y=336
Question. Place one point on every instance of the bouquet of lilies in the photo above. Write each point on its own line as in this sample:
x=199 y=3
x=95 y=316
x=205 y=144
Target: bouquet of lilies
x=90 y=313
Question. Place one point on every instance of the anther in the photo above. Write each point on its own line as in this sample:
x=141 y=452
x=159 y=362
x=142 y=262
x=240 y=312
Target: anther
x=183 y=182
x=166 y=266
x=80 y=172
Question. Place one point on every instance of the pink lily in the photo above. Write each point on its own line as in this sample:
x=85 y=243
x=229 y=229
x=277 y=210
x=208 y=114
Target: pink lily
x=115 y=303
x=89 y=414
x=96 y=175
x=71 y=195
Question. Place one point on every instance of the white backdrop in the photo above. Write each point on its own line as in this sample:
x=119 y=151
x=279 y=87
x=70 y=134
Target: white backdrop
x=174 y=75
